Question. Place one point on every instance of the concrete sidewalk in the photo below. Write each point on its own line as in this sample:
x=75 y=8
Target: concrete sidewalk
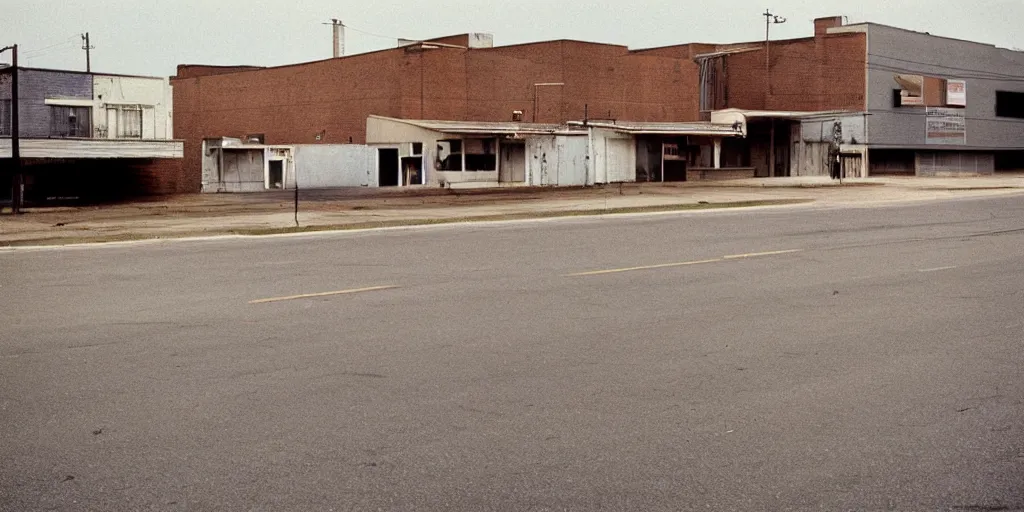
x=204 y=215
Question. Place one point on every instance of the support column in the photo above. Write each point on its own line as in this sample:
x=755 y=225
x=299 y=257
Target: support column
x=771 y=151
x=718 y=153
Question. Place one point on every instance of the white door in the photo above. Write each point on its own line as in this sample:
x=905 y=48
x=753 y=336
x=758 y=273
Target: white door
x=619 y=161
x=513 y=163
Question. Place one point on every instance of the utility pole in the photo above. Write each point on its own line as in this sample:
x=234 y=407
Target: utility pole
x=769 y=20
x=17 y=187
x=88 y=52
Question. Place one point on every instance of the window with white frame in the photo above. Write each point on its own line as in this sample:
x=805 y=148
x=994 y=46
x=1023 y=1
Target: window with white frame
x=124 y=121
x=69 y=121
x=129 y=122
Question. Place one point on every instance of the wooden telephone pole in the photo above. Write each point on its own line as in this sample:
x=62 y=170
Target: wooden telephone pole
x=17 y=187
x=769 y=20
x=88 y=52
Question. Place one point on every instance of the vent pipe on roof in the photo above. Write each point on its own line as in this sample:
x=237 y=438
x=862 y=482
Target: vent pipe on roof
x=339 y=38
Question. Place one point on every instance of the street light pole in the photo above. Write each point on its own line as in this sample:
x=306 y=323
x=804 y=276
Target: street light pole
x=17 y=187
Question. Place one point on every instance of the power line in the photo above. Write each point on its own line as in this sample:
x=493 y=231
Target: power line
x=48 y=49
x=932 y=64
x=892 y=69
x=370 y=33
x=924 y=114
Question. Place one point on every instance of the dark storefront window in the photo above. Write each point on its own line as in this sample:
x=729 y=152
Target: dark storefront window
x=70 y=121
x=1010 y=104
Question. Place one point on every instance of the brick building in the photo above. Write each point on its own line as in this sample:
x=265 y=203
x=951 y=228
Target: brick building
x=836 y=71
x=86 y=136
x=456 y=78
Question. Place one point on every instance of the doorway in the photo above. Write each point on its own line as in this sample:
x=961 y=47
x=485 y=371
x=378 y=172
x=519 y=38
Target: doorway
x=275 y=174
x=412 y=170
x=513 y=163
x=387 y=167
x=673 y=161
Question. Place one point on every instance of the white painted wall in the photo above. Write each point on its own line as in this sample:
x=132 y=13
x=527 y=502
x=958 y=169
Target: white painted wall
x=244 y=168
x=153 y=95
x=335 y=165
x=558 y=160
x=386 y=133
x=562 y=160
x=383 y=133
x=613 y=156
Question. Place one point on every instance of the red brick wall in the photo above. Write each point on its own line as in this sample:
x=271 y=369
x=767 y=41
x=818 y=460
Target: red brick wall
x=826 y=73
x=192 y=71
x=292 y=104
x=165 y=177
x=289 y=104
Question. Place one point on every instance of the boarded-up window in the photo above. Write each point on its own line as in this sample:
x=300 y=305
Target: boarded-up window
x=70 y=121
x=5 y=117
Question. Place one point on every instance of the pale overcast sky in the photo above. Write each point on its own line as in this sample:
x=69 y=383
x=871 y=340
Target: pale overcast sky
x=151 y=37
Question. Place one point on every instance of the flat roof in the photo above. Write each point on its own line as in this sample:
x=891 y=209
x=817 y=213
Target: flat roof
x=783 y=114
x=866 y=24
x=92 y=73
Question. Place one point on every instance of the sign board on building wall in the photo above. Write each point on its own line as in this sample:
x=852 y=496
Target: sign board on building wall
x=956 y=93
x=945 y=126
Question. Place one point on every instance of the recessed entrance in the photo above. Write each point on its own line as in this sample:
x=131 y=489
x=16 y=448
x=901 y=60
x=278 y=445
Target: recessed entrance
x=387 y=167
x=275 y=174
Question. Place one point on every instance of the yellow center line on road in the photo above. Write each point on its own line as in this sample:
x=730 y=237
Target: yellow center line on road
x=647 y=267
x=322 y=294
x=760 y=254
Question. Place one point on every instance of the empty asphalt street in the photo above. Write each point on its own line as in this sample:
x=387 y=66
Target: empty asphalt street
x=794 y=358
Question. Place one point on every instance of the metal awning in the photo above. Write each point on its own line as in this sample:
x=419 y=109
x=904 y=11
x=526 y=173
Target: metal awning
x=734 y=116
x=701 y=129
x=486 y=127
x=727 y=52
x=94 y=148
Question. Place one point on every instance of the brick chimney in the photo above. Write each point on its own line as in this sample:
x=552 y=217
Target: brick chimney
x=821 y=25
